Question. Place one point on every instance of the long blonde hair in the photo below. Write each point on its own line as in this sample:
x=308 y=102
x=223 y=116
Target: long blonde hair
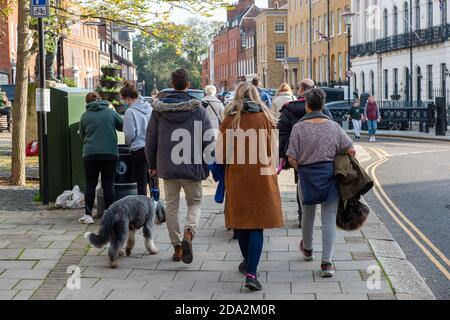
x=285 y=88
x=246 y=92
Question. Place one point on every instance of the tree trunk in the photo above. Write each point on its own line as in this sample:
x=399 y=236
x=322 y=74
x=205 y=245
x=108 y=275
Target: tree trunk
x=19 y=110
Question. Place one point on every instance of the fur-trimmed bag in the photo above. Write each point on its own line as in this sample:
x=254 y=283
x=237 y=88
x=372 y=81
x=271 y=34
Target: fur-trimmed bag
x=353 y=215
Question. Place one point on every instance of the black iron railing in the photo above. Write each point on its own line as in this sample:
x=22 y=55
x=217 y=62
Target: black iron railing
x=436 y=34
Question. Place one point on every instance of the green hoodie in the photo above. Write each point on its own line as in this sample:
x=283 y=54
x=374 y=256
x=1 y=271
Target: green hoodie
x=98 y=127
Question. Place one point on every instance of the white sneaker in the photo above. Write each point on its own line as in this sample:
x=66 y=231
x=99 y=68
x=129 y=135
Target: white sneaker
x=374 y=139
x=371 y=139
x=86 y=219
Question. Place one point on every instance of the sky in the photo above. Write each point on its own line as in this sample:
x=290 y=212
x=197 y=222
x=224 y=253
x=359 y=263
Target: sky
x=219 y=15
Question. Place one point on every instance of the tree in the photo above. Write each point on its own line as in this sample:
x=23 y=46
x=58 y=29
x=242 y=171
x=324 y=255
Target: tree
x=157 y=59
x=148 y=16
x=19 y=111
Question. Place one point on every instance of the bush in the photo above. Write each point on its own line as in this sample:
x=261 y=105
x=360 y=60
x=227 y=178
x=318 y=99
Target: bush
x=70 y=82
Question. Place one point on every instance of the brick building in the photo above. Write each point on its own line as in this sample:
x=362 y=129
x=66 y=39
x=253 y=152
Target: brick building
x=326 y=19
x=80 y=60
x=8 y=45
x=232 y=55
x=205 y=71
x=272 y=42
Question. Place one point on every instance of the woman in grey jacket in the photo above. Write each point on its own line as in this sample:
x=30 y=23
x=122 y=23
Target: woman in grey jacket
x=134 y=128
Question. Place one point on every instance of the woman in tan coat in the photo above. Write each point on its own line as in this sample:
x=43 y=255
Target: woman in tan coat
x=252 y=200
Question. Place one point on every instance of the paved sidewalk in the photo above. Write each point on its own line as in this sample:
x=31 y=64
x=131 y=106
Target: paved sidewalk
x=407 y=134
x=37 y=247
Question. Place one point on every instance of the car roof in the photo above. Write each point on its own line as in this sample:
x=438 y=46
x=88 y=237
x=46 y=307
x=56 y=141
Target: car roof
x=189 y=90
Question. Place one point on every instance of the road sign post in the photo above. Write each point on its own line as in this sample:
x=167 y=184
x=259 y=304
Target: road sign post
x=40 y=9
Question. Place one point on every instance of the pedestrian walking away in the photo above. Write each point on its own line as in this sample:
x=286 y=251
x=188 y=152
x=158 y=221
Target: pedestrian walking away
x=98 y=127
x=315 y=142
x=262 y=94
x=291 y=113
x=5 y=109
x=174 y=113
x=214 y=107
x=135 y=125
x=355 y=116
x=252 y=198
x=373 y=117
x=283 y=96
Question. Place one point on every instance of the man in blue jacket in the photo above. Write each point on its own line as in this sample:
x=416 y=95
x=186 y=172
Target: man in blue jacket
x=264 y=96
x=174 y=114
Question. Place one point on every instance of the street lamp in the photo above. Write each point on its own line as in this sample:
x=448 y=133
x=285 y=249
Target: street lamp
x=348 y=20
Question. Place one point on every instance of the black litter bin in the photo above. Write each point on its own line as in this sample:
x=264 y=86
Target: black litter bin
x=124 y=184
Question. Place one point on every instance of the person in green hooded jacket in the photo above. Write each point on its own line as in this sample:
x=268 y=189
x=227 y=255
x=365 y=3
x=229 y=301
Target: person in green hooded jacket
x=98 y=127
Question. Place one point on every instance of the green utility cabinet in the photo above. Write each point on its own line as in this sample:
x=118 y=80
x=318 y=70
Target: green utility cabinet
x=65 y=161
x=65 y=165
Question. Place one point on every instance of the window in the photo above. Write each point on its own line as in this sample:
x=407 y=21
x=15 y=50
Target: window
x=340 y=66
x=372 y=82
x=280 y=51
x=417 y=14
x=444 y=78
x=297 y=35
x=406 y=17
x=395 y=81
x=430 y=13
x=280 y=27
x=386 y=85
x=332 y=24
x=291 y=36
x=363 y=81
x=395 y=30
x=443 y=6
x=339 y=17
x=385 y=23
x=430 y=81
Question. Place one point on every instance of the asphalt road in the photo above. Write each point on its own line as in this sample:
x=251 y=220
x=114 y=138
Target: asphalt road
x=415 y=177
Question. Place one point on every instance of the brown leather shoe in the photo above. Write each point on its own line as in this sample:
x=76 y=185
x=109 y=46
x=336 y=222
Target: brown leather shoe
x=177 y=254
x=187 y=255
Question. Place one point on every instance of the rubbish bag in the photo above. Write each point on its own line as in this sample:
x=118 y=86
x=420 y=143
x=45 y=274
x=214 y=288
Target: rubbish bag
x=71 y=199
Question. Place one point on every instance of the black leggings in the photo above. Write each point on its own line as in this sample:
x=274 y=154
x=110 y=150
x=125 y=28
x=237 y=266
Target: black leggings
x=92 y=168
x=139 y=169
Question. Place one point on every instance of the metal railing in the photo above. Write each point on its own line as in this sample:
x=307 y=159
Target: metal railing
x=435 y=34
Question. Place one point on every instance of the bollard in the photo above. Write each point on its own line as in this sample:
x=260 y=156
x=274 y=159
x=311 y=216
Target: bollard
x=441 y=116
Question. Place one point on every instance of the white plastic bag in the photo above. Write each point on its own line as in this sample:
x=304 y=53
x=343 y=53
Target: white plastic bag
x=71 y=199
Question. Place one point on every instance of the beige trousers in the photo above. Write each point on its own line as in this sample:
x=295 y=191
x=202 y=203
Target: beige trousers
x=193 y=191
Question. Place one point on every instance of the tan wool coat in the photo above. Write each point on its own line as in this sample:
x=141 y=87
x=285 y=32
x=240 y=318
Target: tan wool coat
x=252 y=199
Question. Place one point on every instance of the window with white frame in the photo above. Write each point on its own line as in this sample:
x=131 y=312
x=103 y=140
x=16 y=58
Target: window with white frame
x=280 y=27
x=280 y=51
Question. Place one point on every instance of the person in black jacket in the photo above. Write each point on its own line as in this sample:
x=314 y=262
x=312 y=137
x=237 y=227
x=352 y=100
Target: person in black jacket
x=291 y=113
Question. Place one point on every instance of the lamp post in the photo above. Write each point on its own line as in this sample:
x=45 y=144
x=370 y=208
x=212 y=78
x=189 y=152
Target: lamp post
x=348 y=20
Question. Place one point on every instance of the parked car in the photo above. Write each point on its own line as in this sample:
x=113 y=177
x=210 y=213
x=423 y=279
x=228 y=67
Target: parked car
x=198 y=94
x=10 y=90
x=340 y=109
x=147 y=99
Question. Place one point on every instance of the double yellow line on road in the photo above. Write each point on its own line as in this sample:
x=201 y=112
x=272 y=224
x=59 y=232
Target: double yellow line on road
x=401 y=219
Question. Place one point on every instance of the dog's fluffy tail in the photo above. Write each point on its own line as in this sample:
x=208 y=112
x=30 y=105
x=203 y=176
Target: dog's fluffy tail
x=97 y=241
x=104 y=234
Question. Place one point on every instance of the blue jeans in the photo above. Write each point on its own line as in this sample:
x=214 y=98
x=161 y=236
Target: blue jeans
x=251 y=243
x=372 y=125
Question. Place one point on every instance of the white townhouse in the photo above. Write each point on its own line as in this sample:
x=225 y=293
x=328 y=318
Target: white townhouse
x=391 y=38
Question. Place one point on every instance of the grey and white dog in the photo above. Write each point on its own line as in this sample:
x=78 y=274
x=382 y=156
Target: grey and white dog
x=120 y=222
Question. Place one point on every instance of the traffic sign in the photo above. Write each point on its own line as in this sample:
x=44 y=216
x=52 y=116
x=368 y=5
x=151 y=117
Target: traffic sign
x=42 y=100
x=349 y=74
x=39 y=8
